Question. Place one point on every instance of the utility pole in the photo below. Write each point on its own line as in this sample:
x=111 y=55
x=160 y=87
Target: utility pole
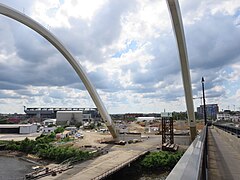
x=204 y=103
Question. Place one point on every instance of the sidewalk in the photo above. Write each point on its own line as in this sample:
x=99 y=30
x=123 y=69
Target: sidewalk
x=224 y=161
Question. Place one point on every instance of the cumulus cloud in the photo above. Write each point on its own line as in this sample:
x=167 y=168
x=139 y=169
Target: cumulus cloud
x=128 y=50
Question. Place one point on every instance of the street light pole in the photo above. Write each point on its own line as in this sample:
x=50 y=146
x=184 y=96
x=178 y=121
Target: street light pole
x=204 y=103
x=205 y=156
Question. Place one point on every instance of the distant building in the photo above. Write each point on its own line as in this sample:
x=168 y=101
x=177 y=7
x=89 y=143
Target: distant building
x=117 y=116
x=146 y=119
x=228 y=116
x=51 y=113
x=47 y=130
x=73 y=117
x=211 y=111
x=153 y=115
x=13 y=118
x=48 y=122
x=18 y=128
x=223 y=116
x=132 y=115
x=235 y=118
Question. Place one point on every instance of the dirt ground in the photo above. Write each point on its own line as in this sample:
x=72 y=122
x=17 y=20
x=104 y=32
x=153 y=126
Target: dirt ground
x=134 y=127
x=92 y=138
x=178 y=125
x=181 y=125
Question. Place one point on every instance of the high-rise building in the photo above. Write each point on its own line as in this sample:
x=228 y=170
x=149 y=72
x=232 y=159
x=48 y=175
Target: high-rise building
x=211 y=111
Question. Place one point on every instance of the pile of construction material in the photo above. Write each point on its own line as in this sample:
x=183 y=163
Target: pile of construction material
x=169 y=147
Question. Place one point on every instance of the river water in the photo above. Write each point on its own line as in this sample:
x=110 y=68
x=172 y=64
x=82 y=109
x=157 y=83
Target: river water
x=12 y=168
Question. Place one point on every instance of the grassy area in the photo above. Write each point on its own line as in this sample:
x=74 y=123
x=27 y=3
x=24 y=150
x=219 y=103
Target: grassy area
x=162 y=160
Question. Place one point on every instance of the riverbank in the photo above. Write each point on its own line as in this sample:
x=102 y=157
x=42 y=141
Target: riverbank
x=25 y=157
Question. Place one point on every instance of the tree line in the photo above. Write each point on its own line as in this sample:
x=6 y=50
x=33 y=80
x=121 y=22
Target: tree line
x=43 y=148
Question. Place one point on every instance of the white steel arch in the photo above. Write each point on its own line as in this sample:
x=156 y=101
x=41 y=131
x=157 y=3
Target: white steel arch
x=177 y=24
x=22 y=18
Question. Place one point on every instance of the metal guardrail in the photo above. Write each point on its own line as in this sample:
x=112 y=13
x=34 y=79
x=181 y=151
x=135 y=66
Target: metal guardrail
x=118 y=167
x=230 y=129
x=193 y=164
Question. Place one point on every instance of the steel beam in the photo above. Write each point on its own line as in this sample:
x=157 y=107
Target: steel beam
x=177 y=24
x=22 y=18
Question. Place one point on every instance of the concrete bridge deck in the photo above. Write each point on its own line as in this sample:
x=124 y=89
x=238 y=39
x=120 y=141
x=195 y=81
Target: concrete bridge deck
x=99 y=167
x=224 y=157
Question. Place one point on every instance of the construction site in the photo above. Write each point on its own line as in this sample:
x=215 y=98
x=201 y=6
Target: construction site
x=135 y=138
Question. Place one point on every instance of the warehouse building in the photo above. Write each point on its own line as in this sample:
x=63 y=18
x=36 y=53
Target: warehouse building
x=72 y=117
x=18 y=128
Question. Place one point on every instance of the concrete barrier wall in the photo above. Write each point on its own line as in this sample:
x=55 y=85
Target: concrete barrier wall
x=182 y=140
x=232 y=140
x=129 y=136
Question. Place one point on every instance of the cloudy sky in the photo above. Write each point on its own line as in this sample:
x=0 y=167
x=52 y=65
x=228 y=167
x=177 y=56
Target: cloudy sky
x=128 y=50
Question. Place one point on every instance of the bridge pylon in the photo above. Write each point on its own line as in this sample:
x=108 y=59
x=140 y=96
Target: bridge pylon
x=177 y=25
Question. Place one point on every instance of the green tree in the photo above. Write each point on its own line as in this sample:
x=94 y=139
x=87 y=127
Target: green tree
x=78 y=124
x=44 y=149
x=27 y=145
x=59 y=130
x=162 y=160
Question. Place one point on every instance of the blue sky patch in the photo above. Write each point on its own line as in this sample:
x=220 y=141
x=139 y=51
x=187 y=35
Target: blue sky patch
x=131 y=46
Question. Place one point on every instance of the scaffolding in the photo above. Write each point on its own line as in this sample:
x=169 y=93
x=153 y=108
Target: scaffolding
x=167 y=130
